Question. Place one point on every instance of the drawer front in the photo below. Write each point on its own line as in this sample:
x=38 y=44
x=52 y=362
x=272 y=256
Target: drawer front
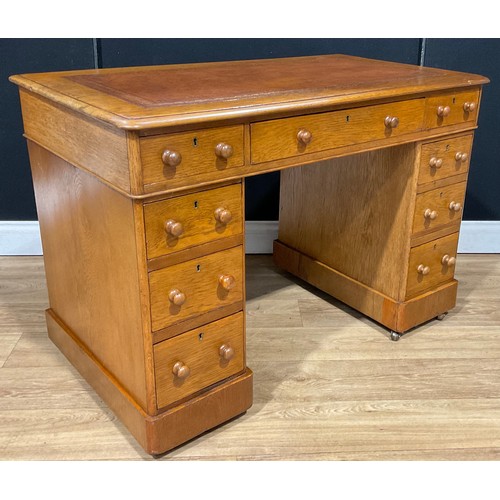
x=188 y=157
x=451 y=108
x=197 y=286
x=199 y=358
x=444 y=159
x=276 y=139
x=431 y=264
x=185 y=221
x=438 y=207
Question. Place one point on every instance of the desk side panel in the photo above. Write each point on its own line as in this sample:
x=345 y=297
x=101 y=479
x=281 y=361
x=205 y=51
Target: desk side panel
x=354 y=215
x=89 y=246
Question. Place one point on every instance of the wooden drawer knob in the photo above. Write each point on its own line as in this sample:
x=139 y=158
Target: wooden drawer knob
x=443 y=111
x=461 y=156
x=223 y=215
x=455 y=206
x=448 y=261
x=176 y=297
x=223 y=150
x=171 y=158
x=226 y=352
x=227 y=281
x=469 y=106
x=180 y=370
x=421 y=269
x=391 y=121
x=304 y=136
x=435 y=162
x=173 y=227
x=430 y=214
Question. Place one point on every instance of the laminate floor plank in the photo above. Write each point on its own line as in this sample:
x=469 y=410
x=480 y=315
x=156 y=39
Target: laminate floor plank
x=33 y=350
x=328 y=383
x=7 y=343
x=59 y=433
x=263 y=312
x=365 y=343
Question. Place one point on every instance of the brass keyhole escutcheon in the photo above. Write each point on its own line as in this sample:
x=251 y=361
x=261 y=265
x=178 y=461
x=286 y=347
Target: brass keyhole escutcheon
x=200 y=336
x=195 y=204
x=447 y=147
x=198 y=268
x=195 y=141
x=347 y=118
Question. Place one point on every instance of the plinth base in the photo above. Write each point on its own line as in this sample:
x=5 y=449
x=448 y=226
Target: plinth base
x=155 y=433
x=397 y=316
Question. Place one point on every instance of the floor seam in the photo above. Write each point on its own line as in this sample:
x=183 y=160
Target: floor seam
x=11 y=351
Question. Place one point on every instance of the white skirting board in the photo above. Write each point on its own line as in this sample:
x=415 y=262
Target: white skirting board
x=23 y=238
x=475 y=236
x=20 y=238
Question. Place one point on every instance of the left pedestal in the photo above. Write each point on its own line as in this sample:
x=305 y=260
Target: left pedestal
x=102 y=310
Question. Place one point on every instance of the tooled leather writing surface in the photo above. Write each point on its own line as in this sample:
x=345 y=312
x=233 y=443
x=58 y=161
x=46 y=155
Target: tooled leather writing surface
x=252 y=79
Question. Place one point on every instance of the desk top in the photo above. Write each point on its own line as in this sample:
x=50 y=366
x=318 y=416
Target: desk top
x=159 y=96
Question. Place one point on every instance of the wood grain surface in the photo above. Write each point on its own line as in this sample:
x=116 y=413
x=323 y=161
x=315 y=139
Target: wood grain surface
x=393 y=314
x=455 y=100
x=198 y=280
x=438 y=200
x=328 y=384
x=439 y=183
x=90 y=145
x=159 y=433
x=94 y=283
x=277 y=139
x=199 y=161
x=198 y=350
x=429 y=235
x=196 y=213
x=430 y=255
x=354 y=215
x=445 y=151
x=212 y=176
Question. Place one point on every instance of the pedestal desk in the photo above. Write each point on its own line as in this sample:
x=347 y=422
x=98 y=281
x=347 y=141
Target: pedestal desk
x=139 y=182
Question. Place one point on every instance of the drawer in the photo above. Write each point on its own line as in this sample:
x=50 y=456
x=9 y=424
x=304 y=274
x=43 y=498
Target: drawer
x=288 y=137
x=199 y=358
x=197 y=286
x=189 y=157
x=444 y=159
x=438 y=207
x=186 y=221
x=431 y=264
x=451 y=108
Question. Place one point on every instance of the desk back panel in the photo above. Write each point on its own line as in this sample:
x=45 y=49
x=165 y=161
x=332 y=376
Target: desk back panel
x=354 y=214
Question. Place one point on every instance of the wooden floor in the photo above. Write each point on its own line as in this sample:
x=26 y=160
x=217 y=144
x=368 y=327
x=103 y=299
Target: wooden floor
x=329 y=384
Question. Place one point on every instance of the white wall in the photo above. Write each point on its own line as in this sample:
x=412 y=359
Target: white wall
x=23 y=238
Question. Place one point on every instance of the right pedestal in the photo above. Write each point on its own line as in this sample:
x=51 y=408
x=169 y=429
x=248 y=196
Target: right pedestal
x=379 y=230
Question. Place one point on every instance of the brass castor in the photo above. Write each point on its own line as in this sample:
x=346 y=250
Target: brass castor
x=441 y=316
x=395 y=336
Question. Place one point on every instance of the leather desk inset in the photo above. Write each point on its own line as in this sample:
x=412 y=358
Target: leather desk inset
x=139 y=182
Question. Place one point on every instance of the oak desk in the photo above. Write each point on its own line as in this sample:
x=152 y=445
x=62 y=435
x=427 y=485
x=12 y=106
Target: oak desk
x=139 y=174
